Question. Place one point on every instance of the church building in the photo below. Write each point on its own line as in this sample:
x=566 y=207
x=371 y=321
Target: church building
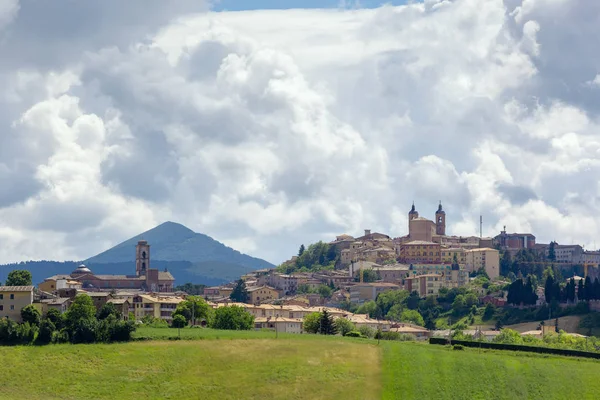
x=146 y=279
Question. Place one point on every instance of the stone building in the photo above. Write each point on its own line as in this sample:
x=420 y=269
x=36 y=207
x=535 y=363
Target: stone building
x=145 y=278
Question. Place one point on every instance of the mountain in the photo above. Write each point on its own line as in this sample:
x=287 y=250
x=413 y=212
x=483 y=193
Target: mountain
x=189 y=256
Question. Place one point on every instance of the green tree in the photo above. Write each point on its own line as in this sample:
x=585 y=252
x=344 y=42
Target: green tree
x=395 y=313
x=107 y=310
x=239 y=293
x=370 y=308
x=369 y=275
x=459 y=304
x=489 y=311
x=311 y=322
x=19 y=277
x=552 y=251
x=55 y=317
x=194 y=309
x=178 y=322
x=325 y=291
x=509 y=336
x=326 y=324
x=386 y=300
x=412 y=301
x=233 y=318
x=303 y=288
x=82 y=309
x=31 y=315
x=344 y=326
x=301 y=250
x=471 y=300
x=412 y=316
x=46 y=332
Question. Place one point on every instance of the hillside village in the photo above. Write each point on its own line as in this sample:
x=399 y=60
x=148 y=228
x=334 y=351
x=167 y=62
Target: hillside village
x=348 y=277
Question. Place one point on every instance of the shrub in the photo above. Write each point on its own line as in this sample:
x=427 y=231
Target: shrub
x=46 y=332
x=354 y=334
x=367 y=331
x=344 y=326
x=458 y=347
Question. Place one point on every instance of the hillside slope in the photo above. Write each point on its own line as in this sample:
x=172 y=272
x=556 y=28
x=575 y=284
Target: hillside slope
x=189 y=256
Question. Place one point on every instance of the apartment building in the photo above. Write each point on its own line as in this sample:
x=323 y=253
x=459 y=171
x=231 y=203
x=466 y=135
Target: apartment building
x=13 y=299
x=156 y=306
x=488 y=259
x=419 y=251
x=425 y=285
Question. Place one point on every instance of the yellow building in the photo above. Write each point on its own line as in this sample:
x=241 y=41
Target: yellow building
x=13 y=299
x=488 y=259
x=449 y=253
x=52 y=284
x=160 y=307
x=419 y=251
x=261 y=294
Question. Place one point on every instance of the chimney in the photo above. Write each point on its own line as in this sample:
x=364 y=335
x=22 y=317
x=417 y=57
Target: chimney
x=367 y=232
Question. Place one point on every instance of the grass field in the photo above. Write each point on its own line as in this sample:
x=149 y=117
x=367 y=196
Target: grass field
x=421 y=371
x=253 y=365
x=203 y=369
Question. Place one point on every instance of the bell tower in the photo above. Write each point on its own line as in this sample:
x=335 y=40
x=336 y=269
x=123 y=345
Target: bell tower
x=440 y=221
x=412 y=214
x=142 y=258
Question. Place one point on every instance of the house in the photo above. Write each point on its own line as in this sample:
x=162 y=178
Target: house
x=259 y=294
x=417 y=331
x=156 y=306
x=56 y=282
x=279 y=324
x=61 y=304
x=99 y=298
x=362 y=292
x=13 y=299
x=122 y=306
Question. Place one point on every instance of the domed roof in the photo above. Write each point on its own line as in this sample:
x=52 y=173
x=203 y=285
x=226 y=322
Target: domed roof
x=82 y=269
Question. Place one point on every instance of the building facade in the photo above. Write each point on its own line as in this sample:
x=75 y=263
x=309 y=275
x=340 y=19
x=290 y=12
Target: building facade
x=13 y=299
x=488 y=259
x=419 y=251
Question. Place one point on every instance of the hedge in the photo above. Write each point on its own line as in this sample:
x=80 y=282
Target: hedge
x=516 y=347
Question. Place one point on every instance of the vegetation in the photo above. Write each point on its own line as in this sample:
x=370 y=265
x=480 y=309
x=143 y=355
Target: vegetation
x=436 y=372
x=239 y=293
x=318 y=256
x=19 y=277
x=323 y=323
x=233 y=318
x=302 y=367
x=191 y=289
x=195 y=309
x=520 y=292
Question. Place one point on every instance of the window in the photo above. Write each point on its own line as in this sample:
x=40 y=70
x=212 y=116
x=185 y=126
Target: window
x=12 y=296
x=1 y=307
x=1 y=297
x=12 y=307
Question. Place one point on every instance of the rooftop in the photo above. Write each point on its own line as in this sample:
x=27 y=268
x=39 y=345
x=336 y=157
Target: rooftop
x=16 y=288
x=419 y=242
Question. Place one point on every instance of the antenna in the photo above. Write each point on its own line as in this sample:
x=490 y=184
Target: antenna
x=480 y=226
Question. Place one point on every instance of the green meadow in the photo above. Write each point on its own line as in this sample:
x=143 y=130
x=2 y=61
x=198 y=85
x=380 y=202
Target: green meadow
x=214 y=364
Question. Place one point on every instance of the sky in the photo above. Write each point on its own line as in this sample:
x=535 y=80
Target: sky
x=268 y=127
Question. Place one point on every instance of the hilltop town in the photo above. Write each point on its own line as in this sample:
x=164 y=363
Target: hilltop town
x=347 y=277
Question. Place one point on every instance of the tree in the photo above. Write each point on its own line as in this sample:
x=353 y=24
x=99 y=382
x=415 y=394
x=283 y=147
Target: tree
x=178 y=322
x=508 y=336
x=551 y=251
x=301 y=250
x=239 y=293
x=31 y=315
x=46 y=332
x=19 y=277
x=82 y=309
x=303 y=288
x=412 y=301
x=489 y=311
x=589 y=288
x=505 y=263
x=471 y=300
x=325 y=291
x=580 y=291
x=369 y=275
x=193 y=309
x=326 y=324
x=233 y=318
x=549 y=292
x=412 y=316
x=344 y=326
x=311 y=322
x=107 y=310
x=55 y=317
x=370 y=308
x=459 y=304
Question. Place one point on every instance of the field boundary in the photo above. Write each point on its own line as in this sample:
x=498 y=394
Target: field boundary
x=517 y=347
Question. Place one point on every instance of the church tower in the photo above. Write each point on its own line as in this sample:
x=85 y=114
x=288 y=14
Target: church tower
x=412 y=214
x=440 y=221
x=142 y=257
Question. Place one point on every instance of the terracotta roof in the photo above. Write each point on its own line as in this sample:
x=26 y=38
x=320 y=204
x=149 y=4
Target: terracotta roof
x=58 y=300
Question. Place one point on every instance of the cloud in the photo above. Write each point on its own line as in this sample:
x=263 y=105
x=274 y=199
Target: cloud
x=253 y=129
